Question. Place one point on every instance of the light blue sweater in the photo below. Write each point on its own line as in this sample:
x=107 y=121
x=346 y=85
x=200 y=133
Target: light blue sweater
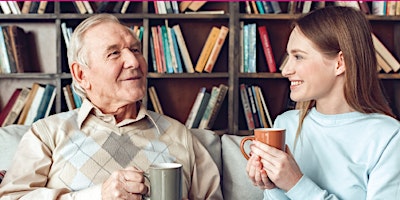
x=346 y=156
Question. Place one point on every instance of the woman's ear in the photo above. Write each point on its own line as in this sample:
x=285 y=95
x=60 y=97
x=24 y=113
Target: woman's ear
x=79 y=74
x=340 y=67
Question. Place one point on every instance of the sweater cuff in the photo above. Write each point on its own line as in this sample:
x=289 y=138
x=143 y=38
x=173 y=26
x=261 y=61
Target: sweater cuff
x=305 y=188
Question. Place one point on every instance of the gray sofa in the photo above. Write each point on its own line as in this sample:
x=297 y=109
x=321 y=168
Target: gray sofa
x=224 y=150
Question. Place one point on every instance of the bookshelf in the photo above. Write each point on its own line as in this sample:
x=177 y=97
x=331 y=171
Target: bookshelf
x=177 y=92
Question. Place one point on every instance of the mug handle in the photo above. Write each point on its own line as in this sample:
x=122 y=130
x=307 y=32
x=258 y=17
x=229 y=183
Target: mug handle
x=242 y=146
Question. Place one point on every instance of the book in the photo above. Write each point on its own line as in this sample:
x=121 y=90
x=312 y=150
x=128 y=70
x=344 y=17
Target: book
x=118 y=6
x=254 y=6
x=172 y=54
x=167 y=52
x=216 y=49
x=17 y=107
x=183 y=49
x=7 y=108
x=155 y=35
x=183 y=5
x=176 y=49
x=88 y=7
x=223 y=89
x=206 y=51
x=246 y=107
x=34 y=7
x=252 y=45
x=28 y=103
x=382 y=64
x=77 y=98
x=253 y=107
x=385 y=53
x=5 y=7
x=265 y=107
x=5 y=63
x=79 y=7
x=194 y=111
x=46 y=102
x=25 y=7
x=258 y=104
x=42 y=7
x=125 y=7
x=14 y=7
x=69 y=98
x=266 y=44
x=9 y=50
x=30 y=117
x=155 y=100
x=20 y=48
x=153 y=53
x=196 y=5
x=210 y=105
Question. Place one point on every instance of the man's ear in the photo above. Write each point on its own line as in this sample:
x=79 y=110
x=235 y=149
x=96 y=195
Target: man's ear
x=79 y=74
x=340 y=67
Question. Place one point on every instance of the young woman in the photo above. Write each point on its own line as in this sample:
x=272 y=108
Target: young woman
x=343 y=141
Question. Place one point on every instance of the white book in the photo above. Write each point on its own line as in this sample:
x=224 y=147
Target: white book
x=195 y=108
x=125 y=7
x=30 y=117
x=88 y=7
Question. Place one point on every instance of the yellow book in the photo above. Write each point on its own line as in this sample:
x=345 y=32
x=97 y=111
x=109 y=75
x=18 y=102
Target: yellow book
x=196 y=5
x=207 y=48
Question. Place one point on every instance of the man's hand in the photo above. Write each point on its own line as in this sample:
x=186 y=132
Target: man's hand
x=126 y=184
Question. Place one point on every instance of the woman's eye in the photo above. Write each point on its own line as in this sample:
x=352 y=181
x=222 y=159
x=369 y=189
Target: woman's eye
x=298 y=57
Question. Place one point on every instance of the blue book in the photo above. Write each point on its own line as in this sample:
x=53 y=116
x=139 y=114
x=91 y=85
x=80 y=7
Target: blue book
x=46 y=102
x=177 y=53
x=167 y=54
x=153 y=54
x=260 y=7
x=77 y=98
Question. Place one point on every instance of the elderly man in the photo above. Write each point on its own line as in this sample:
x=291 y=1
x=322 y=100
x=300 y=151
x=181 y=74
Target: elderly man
x=101 y=150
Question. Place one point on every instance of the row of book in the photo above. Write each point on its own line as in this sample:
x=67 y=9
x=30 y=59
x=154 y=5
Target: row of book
x=175 y=7
x=248 y=40
x=67 y=32
x=23 y=7
x=206 y=107
x=254 y=107
x=13 y=49
x=170 y=54
x=27 y=105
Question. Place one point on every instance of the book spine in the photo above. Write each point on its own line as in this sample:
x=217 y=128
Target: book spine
x=205 y=53
x=223 y=89
x=257 y=100
x=253 y=107
x=45 y=102
x=9 y=50
x=7 y=108
x=167 y=52
x=25 y=110
x=266 y=44
x=246 y=107
x=385 y=53
x=17 y=107
x=195 y=108
x=216 y=49
x=252 y=48
x=174 y=63
x=5 y=63
x=264 y=105
x=201 y=110
x=69 y=99
x=177 y=54
x=210 y=106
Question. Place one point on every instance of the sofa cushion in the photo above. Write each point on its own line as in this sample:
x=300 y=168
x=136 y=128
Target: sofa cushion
x=236 y=184
x=9 y=140
x=212 y=143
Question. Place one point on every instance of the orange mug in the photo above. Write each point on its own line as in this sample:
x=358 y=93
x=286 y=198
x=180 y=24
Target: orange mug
x=274 y=137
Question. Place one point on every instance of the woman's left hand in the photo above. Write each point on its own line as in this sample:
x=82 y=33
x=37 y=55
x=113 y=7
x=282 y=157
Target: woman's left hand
x=280 y=166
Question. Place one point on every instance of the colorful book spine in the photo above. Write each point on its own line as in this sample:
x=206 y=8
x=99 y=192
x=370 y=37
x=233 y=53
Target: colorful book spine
x=246 y=107
x=266 y=44
x=206 y=51
x=216 y=49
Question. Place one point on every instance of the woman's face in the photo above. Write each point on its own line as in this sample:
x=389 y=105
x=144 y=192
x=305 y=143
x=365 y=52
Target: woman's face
x=312 y=76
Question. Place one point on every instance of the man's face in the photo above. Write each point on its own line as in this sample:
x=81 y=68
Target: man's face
x=116 y=72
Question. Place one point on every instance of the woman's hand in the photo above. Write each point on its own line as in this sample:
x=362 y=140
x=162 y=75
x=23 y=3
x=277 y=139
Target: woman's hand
x=257 y=174
x=126 y=184
x=280 y=166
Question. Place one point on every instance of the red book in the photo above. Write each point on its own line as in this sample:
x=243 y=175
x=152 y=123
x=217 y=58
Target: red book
x=266 y=44
x=9 y=105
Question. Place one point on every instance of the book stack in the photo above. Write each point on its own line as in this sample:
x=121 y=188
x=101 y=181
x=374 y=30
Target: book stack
x=255 y=107
x=206 y=107
x=262 y=7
